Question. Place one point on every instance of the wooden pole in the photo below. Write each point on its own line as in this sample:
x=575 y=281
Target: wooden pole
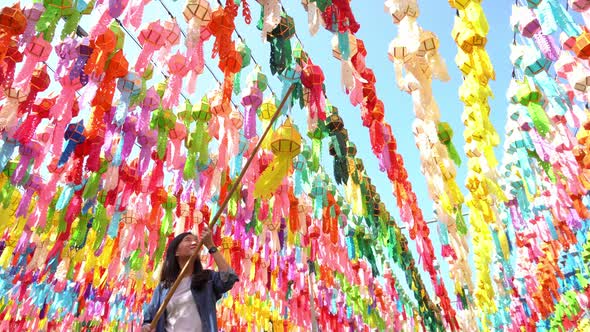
x=235 y=185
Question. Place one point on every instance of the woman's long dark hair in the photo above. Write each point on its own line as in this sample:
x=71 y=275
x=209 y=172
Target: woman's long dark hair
x=171 y=269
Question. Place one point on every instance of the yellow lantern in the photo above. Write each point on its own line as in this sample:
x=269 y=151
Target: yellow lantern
x=285 y=145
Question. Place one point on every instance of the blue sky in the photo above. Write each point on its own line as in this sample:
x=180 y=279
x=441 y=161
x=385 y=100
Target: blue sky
x=377 y=30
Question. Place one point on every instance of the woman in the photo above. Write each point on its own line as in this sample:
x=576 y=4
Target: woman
x=192 y=307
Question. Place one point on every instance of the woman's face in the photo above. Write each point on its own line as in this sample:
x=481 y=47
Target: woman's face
x=187 y=246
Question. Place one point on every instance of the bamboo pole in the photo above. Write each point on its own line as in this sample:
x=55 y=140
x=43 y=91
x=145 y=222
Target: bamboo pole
x=235 y=185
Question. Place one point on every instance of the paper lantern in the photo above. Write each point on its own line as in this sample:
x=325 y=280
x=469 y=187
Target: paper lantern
x=178 y=67
x=201 y=110
x=528 y=24
x=151 y=38
x=197 y=12
x=285 y=145
x=236 y=119
x=39 y=82
x=245 y=54
x=102 y=46
x=580 y=5
x=37 y=50
x=231 y=63
x=312 y=78
x=467 y=38
x=219 y=106
x=445 y=136
x=12 y=22
x=32 y=15
x=582 y=45
x=350 y=149
x=251 y=101
x=334 y=121
x=163 y=120
x=172 y=33
x=285 y=29
x=258 y=79
x=267 y=110
x=402 y=9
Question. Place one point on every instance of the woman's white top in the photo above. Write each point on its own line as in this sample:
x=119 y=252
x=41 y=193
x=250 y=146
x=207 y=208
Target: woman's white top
x=182 y=312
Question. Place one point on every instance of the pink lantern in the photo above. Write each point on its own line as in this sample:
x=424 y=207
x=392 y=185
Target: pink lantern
x=251 y=101
x=197 y=13
x=178 y=67
x=152 y=38
x=36 y=51
x=177 y=135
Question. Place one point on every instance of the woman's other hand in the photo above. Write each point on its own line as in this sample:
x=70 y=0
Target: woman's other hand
x=147 y=328
x=207 y=238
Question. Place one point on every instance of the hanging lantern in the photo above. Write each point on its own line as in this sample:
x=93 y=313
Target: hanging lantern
x=219 y=106
x=201 y=111
x=37 y=50
x=334 y=121
x=151 y=38
x=312 y=78
x=582 y=45
x=39 y=82
x=231 y=63
x=258 y=79
x=236 y=118
x=197 y=13
x=400 y=10
x=178 y=67
x=467 y=38
x=251 y=101
x=280 y=45
x=12 y=23
x=350 y=149
x=101 y=47
x=286 y=145
x=163 y=121
x=267 y=110
x=172 y=34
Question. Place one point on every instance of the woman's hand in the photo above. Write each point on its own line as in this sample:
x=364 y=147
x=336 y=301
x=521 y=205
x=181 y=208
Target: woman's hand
x=207 y=238
x=147 y=328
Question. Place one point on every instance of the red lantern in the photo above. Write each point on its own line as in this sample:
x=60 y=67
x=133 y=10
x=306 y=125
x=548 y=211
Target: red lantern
x=582 y=45
x=312 y=77
x=12 y=23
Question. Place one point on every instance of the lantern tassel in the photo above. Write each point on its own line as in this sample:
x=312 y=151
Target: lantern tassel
x=21 y=169
x=539 y=117
x=547 y=46
x=66 y=153
x=48 y=22
x=144 y=57
x=134 y=13
x=170 y=99
x=24 y=204
x=270 y=180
